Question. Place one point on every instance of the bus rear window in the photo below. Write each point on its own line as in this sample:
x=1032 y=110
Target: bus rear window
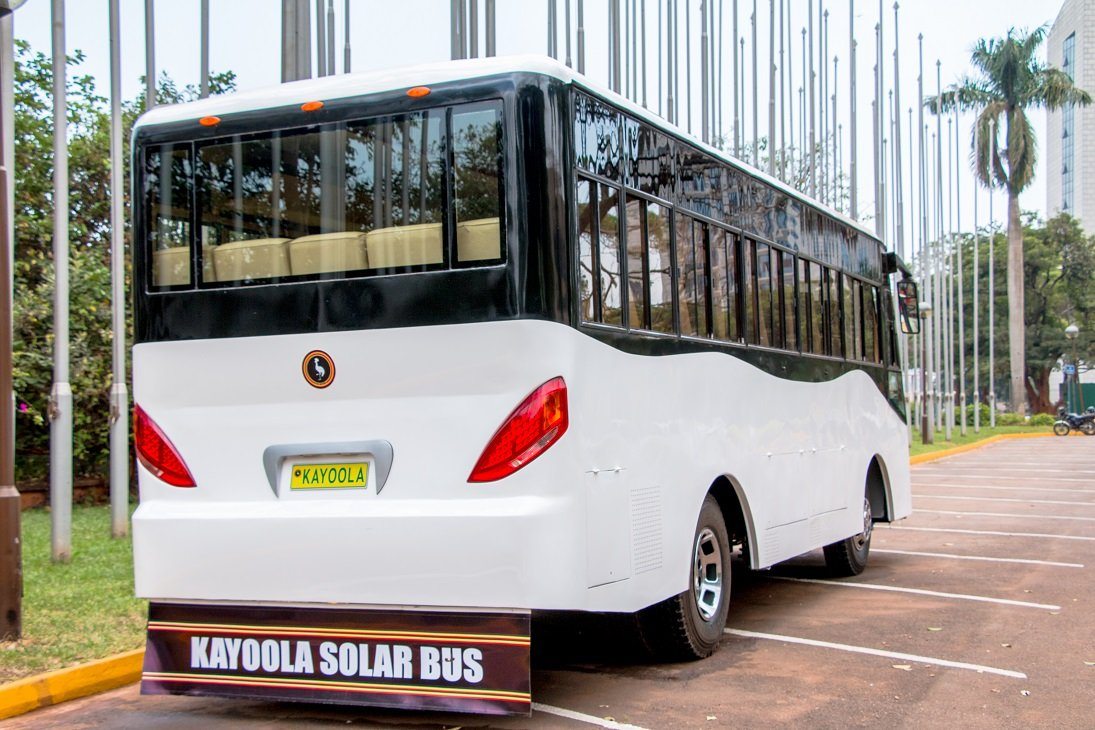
x=168 y=188
x=347 y=199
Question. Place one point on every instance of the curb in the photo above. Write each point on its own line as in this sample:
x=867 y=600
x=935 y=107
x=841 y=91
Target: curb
x=943 y=453
x=51 y=688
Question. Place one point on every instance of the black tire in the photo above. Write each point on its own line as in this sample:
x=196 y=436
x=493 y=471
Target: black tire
x=1088 y=428
x=849 y=557
x=689 y=626
x=1060 y=428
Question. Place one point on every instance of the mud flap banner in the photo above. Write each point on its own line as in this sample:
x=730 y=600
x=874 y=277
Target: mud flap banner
x=421 y=660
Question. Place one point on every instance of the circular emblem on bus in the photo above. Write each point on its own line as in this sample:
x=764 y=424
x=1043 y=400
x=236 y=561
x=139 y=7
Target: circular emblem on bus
x=319 y=369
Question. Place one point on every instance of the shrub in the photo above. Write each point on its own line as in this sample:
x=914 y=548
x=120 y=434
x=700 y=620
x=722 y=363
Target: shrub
x=985 y=414
x=1010 y=419
x=1042 y=419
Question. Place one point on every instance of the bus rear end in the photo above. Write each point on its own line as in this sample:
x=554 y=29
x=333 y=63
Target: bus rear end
x=348 y=404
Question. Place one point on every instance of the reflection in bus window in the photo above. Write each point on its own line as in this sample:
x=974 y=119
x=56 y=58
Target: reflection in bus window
x=817 y=310
x=587 y=293
x=764 y=296
x=749 y=273
x=636 y=281
x=871 y=340
x=720 y=285
x=167 y=197
x=832 y=299
x=477 y=156
x=787 y=304
x=609 y=255
x=660 y=265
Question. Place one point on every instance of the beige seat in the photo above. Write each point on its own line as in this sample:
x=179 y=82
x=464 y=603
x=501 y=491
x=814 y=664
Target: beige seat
x=344 y=251
x=405 y=246
x=171 y=266
x=258 y=258
x=478 y=240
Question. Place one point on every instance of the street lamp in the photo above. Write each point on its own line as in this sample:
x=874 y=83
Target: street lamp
x=1072 y=333
x=927 y=436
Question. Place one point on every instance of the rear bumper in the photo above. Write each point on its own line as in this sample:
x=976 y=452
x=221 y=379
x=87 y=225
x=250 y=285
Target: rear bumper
x=517 y=552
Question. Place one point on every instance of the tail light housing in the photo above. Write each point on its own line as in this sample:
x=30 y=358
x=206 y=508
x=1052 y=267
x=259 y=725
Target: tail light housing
x=527 y=432
x=156 y=452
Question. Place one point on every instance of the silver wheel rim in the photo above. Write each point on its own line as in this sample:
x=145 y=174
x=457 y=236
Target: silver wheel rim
x=707 y=574
x=868 y=524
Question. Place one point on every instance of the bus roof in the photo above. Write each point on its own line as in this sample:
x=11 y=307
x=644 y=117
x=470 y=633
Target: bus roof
x=371 y=82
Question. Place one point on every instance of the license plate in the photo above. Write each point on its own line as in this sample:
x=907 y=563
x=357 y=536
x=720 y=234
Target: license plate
x=330 y=476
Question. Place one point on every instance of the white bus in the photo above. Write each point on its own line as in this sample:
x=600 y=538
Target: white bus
x=485 y=338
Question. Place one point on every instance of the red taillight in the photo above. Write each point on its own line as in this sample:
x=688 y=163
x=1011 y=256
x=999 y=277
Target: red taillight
x=530 y=430
x=157 y=453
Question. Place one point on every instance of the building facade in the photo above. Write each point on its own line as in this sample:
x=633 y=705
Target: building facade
x=1070 y=132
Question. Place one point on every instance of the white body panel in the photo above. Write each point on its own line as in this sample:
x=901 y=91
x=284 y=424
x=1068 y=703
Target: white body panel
x=603 y=521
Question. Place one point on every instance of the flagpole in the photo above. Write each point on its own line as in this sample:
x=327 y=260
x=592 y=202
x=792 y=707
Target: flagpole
x=976 y=317
x=961 y=280
x=853 y=101
x=811 y=106
x=772 y=87
x=119 y=396
x=756 y=98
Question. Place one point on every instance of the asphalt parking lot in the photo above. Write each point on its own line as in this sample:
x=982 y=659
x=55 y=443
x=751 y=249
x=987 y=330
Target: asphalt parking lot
x=975 y=612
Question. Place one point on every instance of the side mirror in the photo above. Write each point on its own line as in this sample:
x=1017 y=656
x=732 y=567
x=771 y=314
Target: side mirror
x=908 y=305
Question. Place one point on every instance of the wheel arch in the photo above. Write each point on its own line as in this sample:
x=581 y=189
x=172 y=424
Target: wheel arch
x=878 y=489
x=732 y=501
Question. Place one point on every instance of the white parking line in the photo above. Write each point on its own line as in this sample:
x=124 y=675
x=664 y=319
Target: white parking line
x=1006 y=499
x=996 y=467
x=1023 y=561
x=877 y=652
x=1004 y=514
x=992 y=532
x=949 y=473
x=1008 y=489
x=582 y=717
x=920 y=592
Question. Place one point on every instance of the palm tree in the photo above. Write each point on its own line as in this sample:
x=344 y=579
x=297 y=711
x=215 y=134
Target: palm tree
x=1010 y=80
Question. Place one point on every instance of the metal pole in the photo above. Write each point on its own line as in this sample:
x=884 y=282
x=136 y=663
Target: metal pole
x=772 y=87
x=961 y=284
x=823 y=87
x=60 y=441
x=835 y=135
x=811 y=106
x=321 y=41
x=925 y=278
x=569 y=61
x=581 y=34
x=669 y=101
x=119 y=397
x=737 y=110
x=331 y=37
x=879 y=112
x=346 y=36
x=756 y=99
x=642 y=29
x=149 y=54
x=802 y=109
x=204 y=47
x=473 y=28
x=614 y=45
x=553 y=36
x=899 y=244
x=992 y=316
x=721 y=128
x=491 y=14
x=11 y=557
x=688 y=62
x=976 y=318
x=853 y=198
x=784 y=110
x=945 y=334
x=949 y=264
x=303 y=66
x=705 y=127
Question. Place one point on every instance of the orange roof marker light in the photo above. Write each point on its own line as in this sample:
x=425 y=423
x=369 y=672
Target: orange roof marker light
x=210 y=121
x=311 y=106
x=416 y=92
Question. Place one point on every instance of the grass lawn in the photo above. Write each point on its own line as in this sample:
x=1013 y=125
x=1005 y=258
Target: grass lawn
x=76 y=612
x=916 y=447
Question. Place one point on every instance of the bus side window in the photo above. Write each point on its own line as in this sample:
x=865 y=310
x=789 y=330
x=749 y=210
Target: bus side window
x=764 y=296
x=686 y=277
x=477 y=156
x=587 y=281
x=788 y=303
x=720 y=285
x=608 y=255
x=636 y=259
x=749 y=276
x=817 y=309
x=870 y=324
x=832 y=297
x=167 y=191
x=660 y=265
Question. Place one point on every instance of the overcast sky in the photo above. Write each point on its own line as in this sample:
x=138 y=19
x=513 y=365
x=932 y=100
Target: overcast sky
x=245 y=38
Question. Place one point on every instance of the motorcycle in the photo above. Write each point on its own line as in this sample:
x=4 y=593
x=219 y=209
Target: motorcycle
x=1082 y=422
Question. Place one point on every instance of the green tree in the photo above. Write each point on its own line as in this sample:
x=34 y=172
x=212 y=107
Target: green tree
x=1057 y=273
x=1010 y=80
x=89 y=251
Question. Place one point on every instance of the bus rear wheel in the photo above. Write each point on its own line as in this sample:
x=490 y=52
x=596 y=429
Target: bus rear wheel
x=689 y=625
x=849 y=557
